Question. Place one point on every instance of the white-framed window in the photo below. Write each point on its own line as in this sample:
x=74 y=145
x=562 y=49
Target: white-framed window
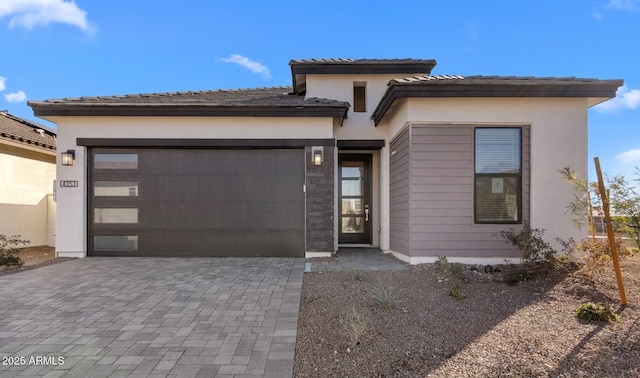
x=498 y=175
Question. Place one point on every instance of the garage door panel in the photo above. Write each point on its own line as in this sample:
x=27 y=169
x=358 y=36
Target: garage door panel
x=214 y=203
x=203 y=243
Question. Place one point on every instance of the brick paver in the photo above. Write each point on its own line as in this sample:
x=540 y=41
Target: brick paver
x=119 y=317
x=352 y=259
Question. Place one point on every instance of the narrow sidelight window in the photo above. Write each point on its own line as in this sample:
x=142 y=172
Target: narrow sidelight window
x=498 y=175
x=359 y=96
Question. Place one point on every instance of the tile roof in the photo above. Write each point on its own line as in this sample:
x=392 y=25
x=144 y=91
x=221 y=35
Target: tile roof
x=273 y=96
x=361 y=61
x=250 y=101
x=18 y=130
x=477 y=79
x=453 y=86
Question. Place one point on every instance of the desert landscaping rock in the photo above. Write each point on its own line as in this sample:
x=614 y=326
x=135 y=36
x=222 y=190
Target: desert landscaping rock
x=524 y=330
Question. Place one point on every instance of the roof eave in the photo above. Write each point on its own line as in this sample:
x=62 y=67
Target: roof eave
x=25 y=145
x=44 y=109
x=423 y=67
x=605 y=89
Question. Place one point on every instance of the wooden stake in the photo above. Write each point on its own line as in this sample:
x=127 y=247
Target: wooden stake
x=612 y=239
x=592 y=225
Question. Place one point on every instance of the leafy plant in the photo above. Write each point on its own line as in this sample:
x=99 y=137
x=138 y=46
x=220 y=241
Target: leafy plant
x=385 y=293
x=596 y=312
x=623 y=197
x=625 y=202
x=582 y=190
x=456 y=292
x=529 y=241
x=354 y=324
x=449 y=270
x=358 y=276
x=9 y=247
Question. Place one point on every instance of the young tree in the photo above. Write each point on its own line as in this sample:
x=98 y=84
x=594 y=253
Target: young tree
x=624 y=201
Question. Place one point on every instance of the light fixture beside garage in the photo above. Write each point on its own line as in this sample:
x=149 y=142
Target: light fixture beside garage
x=316 y=155
x=68 y=157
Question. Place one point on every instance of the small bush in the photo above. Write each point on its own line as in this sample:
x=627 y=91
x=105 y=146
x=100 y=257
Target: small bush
x=456 y=292
x=385 y=293
x=9 y=247
x=441 y=263
x=596 y=253
x=354 y=325
x=529 y=241
x=358 y=277
x=449 y=270
x=596 y=312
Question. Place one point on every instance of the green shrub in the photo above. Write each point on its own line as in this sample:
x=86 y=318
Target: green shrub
x=456 y=292
x=385 y=293
x=449 y=270
x=9 y=247
x=596 y=312
x=529 y=241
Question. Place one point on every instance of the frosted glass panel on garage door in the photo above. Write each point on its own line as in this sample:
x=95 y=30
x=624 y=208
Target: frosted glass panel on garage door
x=115 y=188
x=115 y=243
x=115 y=161
x=107 y=215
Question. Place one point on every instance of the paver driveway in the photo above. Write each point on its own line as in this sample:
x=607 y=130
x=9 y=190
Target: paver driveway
x=110 y=317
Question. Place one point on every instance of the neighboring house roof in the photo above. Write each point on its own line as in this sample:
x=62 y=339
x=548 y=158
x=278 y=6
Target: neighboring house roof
x=257 y=102
x=301 y=67
x=495 y=86
x=22 y=133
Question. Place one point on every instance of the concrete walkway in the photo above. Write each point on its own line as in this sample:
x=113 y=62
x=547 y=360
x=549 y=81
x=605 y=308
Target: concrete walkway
x=355 y=259
x=151 y=317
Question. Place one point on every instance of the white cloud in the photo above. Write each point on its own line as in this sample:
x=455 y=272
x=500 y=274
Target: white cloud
x=3 y=86
x=625 y=99
x=624 y=5
x=245 y=62
x=16 y=96
x=31 y=13
x=629 y=157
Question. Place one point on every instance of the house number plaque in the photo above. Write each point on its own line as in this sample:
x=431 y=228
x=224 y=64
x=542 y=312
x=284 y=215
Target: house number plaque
x=68 y=183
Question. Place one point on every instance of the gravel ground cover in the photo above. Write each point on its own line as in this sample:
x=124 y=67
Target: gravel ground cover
x=524 y=330
x=34 y=257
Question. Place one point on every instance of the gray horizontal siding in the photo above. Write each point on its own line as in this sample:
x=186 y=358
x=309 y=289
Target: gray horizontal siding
x=441 y=195
x=399 y=194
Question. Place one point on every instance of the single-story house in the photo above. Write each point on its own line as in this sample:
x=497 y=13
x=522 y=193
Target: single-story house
x=28 y=169
x=357 y=152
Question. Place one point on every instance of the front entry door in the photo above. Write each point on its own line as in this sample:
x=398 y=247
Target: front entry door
x=355 y=199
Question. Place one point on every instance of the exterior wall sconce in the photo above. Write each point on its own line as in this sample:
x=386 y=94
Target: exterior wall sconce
x=316 y=155
x=68 y=157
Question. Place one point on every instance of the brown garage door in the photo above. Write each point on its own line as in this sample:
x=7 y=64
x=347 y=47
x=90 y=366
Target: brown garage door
x=196 y=202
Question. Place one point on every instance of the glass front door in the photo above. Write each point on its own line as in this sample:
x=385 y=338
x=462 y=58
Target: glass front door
x=355 y=199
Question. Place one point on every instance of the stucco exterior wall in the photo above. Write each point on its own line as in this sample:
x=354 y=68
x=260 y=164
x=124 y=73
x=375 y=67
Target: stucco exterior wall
x=340 y=87
x=71 y=215
x=24 y=205
x=558 y=137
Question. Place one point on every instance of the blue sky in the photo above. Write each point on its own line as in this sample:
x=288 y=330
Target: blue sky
x=60 y=48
